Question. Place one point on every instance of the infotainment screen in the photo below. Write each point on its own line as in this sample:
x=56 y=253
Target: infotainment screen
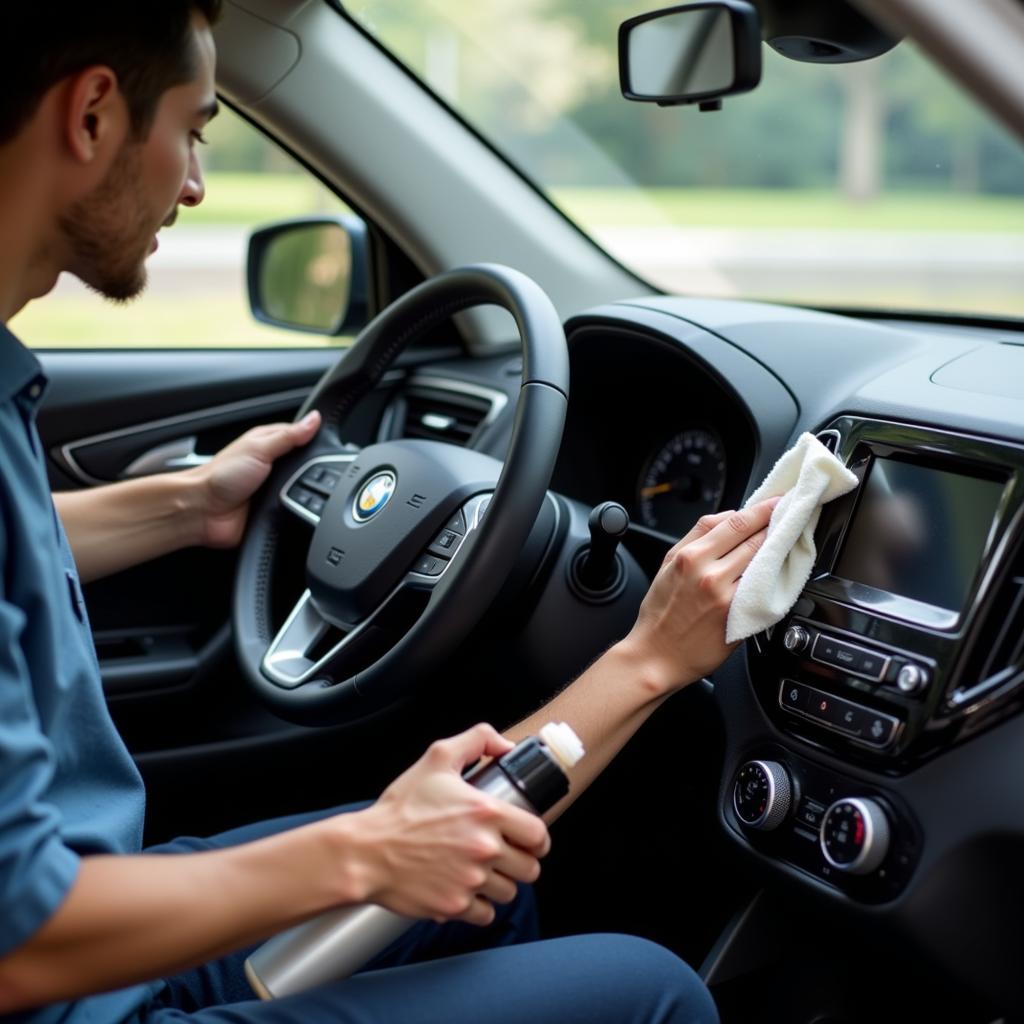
x=919 y=532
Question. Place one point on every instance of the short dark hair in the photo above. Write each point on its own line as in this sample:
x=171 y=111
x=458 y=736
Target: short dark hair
x=147 y=43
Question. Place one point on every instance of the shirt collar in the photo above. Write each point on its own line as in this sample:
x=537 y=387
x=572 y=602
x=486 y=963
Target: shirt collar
x=20 y=371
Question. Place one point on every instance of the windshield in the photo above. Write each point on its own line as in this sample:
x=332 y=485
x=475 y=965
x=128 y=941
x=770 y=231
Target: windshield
x=876 y=185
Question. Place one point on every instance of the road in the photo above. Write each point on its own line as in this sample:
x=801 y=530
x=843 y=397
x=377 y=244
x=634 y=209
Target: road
x=923 y=268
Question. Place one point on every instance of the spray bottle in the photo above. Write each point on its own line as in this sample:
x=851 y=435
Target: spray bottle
x=336 y=944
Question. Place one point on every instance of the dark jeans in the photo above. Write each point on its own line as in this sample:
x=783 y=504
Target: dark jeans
x=454 y=974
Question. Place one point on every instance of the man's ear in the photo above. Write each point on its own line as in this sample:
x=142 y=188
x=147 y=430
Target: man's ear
x=97 y=116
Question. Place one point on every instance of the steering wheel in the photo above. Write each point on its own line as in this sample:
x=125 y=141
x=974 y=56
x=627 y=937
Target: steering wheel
x=398 y=523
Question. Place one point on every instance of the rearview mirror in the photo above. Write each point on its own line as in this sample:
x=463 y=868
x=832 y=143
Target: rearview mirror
x=310 y=274
x=696 y=53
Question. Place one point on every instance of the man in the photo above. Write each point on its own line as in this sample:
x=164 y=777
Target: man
x=101 y=107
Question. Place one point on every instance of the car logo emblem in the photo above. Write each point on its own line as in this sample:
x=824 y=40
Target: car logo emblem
x=375 y=494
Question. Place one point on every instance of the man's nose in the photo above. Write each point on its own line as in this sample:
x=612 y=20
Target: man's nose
x=194 y=190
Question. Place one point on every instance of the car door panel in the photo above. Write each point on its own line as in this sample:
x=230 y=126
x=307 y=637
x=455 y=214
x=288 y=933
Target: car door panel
x=161 y=628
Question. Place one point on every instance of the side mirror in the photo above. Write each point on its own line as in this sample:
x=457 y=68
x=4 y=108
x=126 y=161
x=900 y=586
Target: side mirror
x=695 y=53
x=310 y=274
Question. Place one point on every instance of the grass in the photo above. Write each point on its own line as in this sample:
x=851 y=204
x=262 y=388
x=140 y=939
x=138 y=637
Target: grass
x=251 y=199
x=76 y=319
x=778 y=209
x=154 y=321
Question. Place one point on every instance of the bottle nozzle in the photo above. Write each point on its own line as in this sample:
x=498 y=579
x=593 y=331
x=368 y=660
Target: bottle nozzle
x=560 y=739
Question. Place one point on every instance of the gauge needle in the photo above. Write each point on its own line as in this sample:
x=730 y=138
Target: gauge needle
x=650 y=492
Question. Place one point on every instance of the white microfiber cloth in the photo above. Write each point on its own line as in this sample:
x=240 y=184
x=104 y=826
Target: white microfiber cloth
x=807 y=477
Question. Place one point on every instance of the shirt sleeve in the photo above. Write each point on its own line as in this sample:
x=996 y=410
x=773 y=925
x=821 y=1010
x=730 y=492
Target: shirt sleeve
x=36 y=868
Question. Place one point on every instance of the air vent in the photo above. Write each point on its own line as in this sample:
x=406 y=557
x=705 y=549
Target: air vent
x=997 y=657
x=442 y=413
x=830 y=439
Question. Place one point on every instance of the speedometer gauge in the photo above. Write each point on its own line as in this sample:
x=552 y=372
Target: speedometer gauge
x=684 y=480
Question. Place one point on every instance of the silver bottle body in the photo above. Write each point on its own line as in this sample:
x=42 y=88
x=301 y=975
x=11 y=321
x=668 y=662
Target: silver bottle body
x=336 y=944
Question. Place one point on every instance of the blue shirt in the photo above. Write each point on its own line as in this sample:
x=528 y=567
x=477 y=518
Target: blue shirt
x=68 y=786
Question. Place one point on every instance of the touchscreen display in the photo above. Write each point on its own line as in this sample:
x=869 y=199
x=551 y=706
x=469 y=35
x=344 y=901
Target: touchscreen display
x=919 y=532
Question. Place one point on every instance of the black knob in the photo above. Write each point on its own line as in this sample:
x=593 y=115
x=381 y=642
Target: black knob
x=598 y=568
x=796 y=639
x=854 y=835
x=762 y=794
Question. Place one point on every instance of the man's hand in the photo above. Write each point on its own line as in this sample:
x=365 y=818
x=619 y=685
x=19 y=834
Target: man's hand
x=434 y=846
x=233 y=476
x=680 y=631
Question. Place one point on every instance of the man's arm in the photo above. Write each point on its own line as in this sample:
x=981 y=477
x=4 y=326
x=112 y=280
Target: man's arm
x=432 y=846
x=679 y=637
x=120 y=525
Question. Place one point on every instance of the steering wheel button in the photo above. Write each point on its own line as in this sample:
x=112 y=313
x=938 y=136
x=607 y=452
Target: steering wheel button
x=428 y=565
x=316 y=504
x=301 y=496
x=457 y=523
x=328 y=480
x=445 y=544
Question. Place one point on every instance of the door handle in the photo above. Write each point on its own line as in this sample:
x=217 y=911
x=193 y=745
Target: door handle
x=167 y=458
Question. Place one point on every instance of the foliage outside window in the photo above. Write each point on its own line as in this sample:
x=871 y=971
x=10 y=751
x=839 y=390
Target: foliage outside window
x=876 y=184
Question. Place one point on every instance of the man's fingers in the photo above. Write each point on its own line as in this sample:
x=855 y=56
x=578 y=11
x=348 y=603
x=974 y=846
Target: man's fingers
x=481 y=912
x=525 y=830
x=518 y=865
x=701 y=528
x=458 y=751
x=498 y=888
x=737 y=527
x=734 y=564
x=277 y=439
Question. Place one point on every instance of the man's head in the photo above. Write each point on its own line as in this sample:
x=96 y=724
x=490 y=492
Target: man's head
x=108 y=100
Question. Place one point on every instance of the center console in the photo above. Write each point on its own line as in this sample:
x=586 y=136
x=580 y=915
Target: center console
x=908 y=637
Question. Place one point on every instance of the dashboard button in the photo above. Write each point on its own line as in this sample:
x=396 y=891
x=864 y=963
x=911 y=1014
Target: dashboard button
x=878 y=729
x=849 y=717
x=852 y=659
x=810 y=814
x=793 y=696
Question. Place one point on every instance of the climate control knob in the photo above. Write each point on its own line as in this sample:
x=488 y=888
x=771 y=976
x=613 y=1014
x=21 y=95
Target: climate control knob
x=762 y=795
x=854 y=835
x=796 y=639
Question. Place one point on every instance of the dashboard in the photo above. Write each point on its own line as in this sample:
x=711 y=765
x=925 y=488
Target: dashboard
x=869 y=734
x=654 y=428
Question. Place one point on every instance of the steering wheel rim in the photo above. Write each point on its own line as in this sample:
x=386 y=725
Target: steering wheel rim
x=486 y=556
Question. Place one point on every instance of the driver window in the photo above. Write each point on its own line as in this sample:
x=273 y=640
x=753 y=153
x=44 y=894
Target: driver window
x=196 y=296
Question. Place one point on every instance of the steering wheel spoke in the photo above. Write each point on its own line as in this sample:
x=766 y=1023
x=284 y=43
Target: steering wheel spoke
x=310 y=648
x=307 y=491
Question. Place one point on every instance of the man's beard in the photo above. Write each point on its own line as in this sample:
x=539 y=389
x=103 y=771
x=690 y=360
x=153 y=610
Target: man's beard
x=108 y=231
